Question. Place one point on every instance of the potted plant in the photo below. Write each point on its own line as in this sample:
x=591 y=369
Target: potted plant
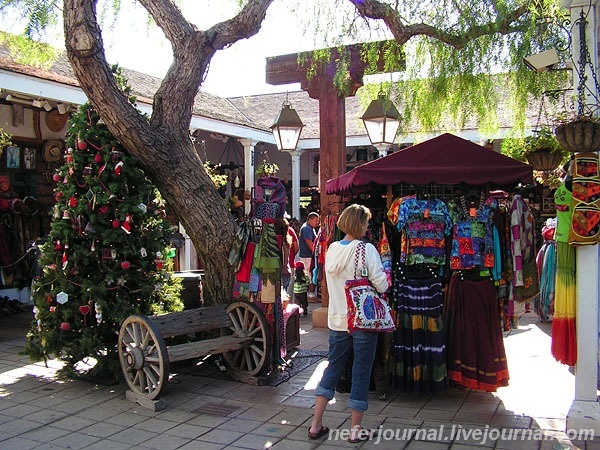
x=267 y=169
x=542 y=150
x=581 y=134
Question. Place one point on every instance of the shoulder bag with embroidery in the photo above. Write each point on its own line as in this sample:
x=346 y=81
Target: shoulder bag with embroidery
x=367 y=308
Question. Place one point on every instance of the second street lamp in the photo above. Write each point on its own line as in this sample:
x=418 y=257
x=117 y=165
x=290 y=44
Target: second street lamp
x=381 y=120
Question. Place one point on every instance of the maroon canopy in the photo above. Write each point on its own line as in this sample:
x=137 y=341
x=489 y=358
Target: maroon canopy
x=445 y=159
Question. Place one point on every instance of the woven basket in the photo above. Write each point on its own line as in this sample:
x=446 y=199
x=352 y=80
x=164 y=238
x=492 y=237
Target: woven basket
x=544 y=160
x=581 y=135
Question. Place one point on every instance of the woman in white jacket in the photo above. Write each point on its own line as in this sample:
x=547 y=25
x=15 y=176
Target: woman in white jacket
x=339 y=267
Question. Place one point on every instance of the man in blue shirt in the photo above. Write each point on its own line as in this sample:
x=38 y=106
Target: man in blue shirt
x=306 y=241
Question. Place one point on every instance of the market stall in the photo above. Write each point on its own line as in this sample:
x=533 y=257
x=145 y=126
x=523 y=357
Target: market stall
x=462 y=242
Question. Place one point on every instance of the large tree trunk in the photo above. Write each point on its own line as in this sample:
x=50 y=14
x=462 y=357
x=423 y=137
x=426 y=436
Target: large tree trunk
x=163 y=144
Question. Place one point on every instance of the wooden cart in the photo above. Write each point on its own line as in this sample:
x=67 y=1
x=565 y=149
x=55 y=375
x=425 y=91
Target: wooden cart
x=244 y=342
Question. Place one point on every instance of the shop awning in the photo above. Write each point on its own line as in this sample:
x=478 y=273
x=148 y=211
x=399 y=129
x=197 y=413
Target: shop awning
x=445 y=159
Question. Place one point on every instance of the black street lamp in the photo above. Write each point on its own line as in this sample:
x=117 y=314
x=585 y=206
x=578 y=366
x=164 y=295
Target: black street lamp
x=381 y=120
x=287 y=127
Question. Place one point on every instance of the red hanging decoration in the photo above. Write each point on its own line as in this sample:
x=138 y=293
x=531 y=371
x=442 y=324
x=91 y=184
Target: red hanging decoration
x=84 y=309
x=126 y=225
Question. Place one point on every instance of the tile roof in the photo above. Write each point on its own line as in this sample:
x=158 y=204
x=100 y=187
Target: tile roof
x=143 y=87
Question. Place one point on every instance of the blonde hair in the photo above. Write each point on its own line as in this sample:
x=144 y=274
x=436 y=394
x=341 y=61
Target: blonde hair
x=353 y=219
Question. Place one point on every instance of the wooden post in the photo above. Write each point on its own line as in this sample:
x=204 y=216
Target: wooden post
x=287 y=69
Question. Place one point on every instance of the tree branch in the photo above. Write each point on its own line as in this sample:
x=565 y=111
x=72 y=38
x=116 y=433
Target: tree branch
x=503 y=24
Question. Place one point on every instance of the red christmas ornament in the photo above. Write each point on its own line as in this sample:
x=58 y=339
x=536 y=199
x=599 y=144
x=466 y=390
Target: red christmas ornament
x=82 y=145
x=65 y=326
x=125 y=265
x=118 y=168
x=126 y=226
x=56 y=177
x=84 y=309
x=72 y=202
x=98 y=158
x=116 y=224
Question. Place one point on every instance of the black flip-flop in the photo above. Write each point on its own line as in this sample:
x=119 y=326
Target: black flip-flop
x=318 y=434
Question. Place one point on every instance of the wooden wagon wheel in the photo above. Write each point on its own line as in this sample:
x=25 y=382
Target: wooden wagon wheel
x=143 y=356
x=248 y=320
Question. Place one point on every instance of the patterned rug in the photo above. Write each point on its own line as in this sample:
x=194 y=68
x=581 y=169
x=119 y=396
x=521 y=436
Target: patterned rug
x=299 y=360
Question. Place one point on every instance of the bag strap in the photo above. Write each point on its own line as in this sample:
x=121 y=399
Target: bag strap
x=359 y=251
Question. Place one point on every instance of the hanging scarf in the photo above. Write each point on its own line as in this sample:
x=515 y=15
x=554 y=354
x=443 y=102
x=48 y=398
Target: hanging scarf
x=268 y=260
x=270 y=190
x=238 y=246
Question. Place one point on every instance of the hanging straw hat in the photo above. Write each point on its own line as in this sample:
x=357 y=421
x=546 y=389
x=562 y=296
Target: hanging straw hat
x=56 y=121
x=52 y=150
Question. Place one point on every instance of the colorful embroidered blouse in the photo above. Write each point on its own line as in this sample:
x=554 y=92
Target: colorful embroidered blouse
x=472 y=235
x=426 y=223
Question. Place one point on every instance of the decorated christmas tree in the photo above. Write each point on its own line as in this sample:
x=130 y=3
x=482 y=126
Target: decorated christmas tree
x=105 y=256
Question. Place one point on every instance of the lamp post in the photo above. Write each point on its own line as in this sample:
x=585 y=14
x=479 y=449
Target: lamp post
x=381 y=120
x=286 y=131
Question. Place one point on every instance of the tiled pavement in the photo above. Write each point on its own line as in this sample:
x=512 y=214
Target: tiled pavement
x=205 y=413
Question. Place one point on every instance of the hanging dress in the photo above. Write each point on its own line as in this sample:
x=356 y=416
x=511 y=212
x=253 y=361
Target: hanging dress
x=564 y=337
x=419 y=347
x=546 y=262
x=475 y=348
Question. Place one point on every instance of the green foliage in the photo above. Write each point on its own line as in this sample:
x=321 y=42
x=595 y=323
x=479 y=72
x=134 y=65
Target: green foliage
x=520 y=146
x=5 y=140
x=267 y=168
x=29 y=52
x=449 y=65
x=105 y=252
x=218 y=180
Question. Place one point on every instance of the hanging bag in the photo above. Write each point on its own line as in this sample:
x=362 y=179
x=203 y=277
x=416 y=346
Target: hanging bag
x=367 y=308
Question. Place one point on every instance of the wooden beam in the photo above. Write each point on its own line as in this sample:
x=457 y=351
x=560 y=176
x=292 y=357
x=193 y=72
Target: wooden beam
x=286 y=69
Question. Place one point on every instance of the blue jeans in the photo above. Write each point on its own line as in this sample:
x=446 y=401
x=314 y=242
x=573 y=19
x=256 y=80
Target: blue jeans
x=341 y=343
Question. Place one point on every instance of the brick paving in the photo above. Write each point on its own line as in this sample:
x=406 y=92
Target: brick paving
x=38 y=411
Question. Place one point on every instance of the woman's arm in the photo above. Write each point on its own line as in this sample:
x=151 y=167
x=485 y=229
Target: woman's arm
x=376 y=273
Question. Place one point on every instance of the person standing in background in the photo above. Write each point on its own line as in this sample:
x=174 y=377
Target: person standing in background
x=306 y=242
x=301 y=287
